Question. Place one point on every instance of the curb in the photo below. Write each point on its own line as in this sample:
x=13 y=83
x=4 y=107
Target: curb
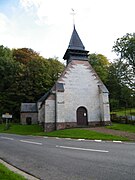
x=18 y=171
x=94 y=140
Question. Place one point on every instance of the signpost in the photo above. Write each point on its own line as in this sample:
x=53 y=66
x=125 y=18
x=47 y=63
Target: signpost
x=7 y=116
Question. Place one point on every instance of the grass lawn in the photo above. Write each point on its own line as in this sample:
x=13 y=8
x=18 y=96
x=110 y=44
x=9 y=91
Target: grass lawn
x=21 y=129
x=67 y=133
x=122 y=112
x=122 y=127
x=78 y=133
x=6 y=174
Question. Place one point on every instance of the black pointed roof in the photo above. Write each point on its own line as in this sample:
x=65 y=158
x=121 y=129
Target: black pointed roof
x=76 y=49
x=75 y=41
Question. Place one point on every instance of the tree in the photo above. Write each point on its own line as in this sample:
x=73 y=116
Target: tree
x=100 y=64
x=56 y=67
x=9 y=72
x=125 y=48
x=24 y=55
x=25 y=77
x=121 y=95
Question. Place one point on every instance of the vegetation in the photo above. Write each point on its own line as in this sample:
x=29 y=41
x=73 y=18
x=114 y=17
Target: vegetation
x=21 y=129
x=101 y=65
x=6 y=174
x=122 y=127
x=25 y=77
x=83 y=134
x=122 y=73
x=67 y=133
x=125 y=48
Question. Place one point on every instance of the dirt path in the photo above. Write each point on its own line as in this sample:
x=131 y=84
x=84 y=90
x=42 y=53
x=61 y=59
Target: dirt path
x=128 y=135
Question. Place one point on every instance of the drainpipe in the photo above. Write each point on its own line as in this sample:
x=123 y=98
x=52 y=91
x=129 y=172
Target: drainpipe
x=55 y=123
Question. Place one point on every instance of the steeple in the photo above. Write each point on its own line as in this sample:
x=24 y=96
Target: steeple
x=76 y=49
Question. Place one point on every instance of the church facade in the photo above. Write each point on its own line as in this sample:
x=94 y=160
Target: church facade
x=79 y=98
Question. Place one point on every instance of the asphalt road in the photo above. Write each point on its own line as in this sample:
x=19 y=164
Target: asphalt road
x=66 y=159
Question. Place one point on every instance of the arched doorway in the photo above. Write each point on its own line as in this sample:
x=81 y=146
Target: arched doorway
x=82 y=117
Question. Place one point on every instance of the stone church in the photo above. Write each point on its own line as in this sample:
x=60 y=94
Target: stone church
x=78 y=99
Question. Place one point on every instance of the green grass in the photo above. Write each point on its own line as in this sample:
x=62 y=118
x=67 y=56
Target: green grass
x=83 y=134
x=67 y=133
x=122 y=127
x=122 y=112
x=22 y=129
x=6 y=174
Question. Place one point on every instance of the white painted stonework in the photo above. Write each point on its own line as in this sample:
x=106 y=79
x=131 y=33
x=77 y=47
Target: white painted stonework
x=82 y=88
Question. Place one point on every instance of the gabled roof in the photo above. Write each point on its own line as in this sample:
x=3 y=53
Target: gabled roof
x=28 y=107
x=57 y=87
x=75 y=41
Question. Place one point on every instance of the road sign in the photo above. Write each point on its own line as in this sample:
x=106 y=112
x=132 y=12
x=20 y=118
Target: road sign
x=7 y=116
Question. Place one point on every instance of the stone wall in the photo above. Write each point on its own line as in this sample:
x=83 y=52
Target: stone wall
x=33 y=116
x=50 y=111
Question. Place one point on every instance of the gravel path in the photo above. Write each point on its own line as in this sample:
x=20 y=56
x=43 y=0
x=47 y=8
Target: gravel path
x=130 y=136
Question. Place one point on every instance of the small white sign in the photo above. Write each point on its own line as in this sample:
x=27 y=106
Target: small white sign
x=8 y=116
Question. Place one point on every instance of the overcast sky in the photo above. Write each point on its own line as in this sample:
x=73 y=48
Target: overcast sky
x=46 y=25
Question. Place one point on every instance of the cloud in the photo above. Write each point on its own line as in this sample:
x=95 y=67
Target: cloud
x=4 y=22
x=27 y=4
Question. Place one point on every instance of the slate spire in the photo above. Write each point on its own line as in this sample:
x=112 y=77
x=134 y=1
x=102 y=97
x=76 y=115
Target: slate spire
x=75 y=41
x=76 y=49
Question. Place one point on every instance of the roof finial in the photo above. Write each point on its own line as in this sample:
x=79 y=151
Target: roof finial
x=73 y=14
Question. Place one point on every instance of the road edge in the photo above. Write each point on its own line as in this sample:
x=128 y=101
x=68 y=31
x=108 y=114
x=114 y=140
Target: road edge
x=18 y=171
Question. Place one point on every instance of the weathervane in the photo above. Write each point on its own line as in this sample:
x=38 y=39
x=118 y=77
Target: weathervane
x=73 y=14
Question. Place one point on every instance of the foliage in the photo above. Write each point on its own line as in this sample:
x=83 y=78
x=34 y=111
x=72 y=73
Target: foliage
x=100 y=64
x=9 y=73
x=125 y=48
x=121 y=81
x=24 y=55
x=25 y=77
x=6 y=174
x=121 y=94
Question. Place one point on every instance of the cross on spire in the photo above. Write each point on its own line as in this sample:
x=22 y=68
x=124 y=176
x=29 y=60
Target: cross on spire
x=73 y=14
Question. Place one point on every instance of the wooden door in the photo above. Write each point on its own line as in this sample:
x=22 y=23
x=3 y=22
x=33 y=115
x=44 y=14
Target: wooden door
x=82 y=118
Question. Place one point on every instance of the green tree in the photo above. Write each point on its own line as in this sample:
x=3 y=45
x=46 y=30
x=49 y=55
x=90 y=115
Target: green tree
x=120 y=92
x=25 y=77
x=9 y=72
x=100 y=64
x=125 y=48
x=56 y=67
x=24 y=55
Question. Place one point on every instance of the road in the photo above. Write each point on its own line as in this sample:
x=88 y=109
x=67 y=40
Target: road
x=66 y=159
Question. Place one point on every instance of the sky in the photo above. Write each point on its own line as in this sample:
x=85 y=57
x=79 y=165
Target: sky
x=46 y=25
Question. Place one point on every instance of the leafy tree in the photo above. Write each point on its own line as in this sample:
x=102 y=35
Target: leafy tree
x=25 y=77
x=100 y=64
x=9 y=72
x=56 y=67
x=121 y=95
x=125 y=48
x=125 y=69
x=24 y=55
